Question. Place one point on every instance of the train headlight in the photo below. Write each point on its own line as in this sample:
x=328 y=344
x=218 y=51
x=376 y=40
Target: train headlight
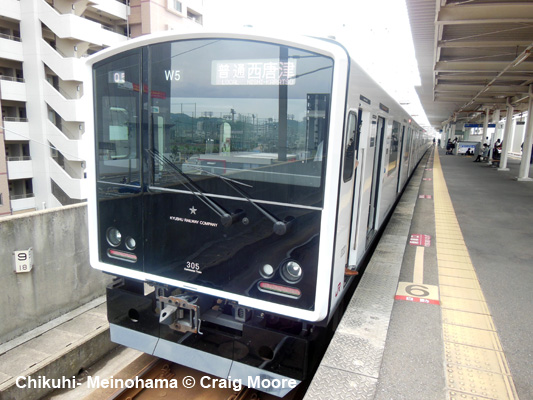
x=267 y=271
x=291 y=271
x=114 y=237
x=130 y=243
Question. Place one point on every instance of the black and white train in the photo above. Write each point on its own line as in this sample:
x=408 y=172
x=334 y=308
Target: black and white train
x=237 y=180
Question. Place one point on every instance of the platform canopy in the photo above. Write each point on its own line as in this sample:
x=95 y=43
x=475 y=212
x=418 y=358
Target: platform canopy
x=472 y=55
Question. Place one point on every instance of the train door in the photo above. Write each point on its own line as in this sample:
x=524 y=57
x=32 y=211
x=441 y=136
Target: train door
x=345 y=209
x=400 y=160
x=357 y=189
x=377 y=148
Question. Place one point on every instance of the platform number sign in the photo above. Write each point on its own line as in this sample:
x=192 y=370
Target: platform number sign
x=23 y=260
x=418 y=293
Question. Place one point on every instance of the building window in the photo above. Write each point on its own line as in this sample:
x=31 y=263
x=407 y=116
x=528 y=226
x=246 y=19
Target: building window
x=194 y=17
x=177 y=5
x=1 y=200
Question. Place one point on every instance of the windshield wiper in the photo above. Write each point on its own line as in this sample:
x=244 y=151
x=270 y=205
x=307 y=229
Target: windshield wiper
x=224 y=178
x=280 y=227
x=226 y=218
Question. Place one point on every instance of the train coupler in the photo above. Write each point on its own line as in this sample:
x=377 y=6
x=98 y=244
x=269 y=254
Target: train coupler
x=180 y=313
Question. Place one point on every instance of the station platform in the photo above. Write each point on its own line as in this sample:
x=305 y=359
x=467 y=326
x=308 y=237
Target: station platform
x=444 y=307
x=60 y=349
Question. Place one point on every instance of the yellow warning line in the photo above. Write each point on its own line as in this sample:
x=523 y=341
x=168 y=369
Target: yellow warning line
x=475 y=364
x=418 y=273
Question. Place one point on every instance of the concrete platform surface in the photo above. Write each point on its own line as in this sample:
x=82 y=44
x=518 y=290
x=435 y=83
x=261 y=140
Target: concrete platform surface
x=57 y=350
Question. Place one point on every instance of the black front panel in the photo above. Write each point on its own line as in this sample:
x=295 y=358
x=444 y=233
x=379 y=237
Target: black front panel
x=211 y=160
x=121 y=211
x=186 y=241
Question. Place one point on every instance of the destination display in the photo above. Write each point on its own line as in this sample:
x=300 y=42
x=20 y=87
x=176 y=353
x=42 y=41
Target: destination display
x=263 y=72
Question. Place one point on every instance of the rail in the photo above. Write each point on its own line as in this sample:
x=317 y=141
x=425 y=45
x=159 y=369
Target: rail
x=15 y=119
x=152 y=378
x=21 y=196
x=11 y=78
x=10 y=37
x=20 y=158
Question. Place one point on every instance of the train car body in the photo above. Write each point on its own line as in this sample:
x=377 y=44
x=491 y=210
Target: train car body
x=235 y=179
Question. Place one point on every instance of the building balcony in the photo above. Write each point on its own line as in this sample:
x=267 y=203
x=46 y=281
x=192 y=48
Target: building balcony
x=11 y=48
x=113 y=9
x=21 y=202
x=16 y=129
x=71 y=149
x=67 y=68
x=69 y=109
x=12 y=89
x=10 y=9
x=70 y=26
x=19 y=168
x=74 y=188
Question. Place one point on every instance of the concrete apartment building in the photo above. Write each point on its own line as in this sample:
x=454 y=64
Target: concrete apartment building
x=42 y=47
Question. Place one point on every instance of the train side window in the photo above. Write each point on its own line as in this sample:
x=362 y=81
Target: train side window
x=117 y=125
x=349 y=147
x=394 y=148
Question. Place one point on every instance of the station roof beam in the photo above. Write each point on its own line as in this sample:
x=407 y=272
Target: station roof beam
x=481 y=54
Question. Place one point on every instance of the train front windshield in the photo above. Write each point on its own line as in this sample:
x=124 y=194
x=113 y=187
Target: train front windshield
x=253 y=112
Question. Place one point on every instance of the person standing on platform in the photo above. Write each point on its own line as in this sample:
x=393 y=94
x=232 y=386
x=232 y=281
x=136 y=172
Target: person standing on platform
x=449 y=147
x=483 y=153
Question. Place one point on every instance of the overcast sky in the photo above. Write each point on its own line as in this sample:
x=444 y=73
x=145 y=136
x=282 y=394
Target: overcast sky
x=376 y=32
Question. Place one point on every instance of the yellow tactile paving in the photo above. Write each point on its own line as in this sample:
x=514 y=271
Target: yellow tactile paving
x=458 y=272
x=445 y=251
x=475 y=357
x=451 y=257
x=476 y=367
x=462 y=304
x=448 y=245
x=449 y=242
x=463 y=293
x=459 y=282
x=481 y=384
x=471 y=337
x=455 y=264
x=465 y=318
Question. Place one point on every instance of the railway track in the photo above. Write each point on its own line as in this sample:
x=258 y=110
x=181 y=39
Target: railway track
x=150 y=378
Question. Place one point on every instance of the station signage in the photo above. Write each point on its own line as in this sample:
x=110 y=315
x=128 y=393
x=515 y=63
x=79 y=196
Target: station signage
x=479 y=125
